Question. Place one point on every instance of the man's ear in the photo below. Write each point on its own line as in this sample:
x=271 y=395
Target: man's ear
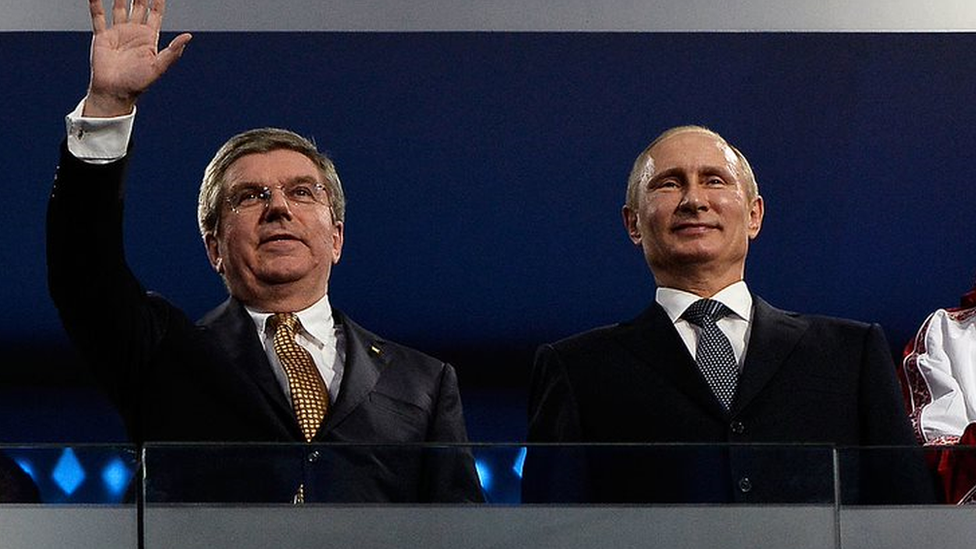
x=338 y=236
x=213 y=252
x=631 y=224
x=756 y=213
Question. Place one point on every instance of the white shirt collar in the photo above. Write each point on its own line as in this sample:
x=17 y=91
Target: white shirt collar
x=736 y=297
x=317 y=321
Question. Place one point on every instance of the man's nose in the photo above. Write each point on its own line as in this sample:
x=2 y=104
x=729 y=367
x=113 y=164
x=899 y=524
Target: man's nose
x=693 y=196
x=277 y=203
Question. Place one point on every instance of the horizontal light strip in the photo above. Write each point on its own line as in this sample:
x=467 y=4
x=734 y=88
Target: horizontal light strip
x=521 y=15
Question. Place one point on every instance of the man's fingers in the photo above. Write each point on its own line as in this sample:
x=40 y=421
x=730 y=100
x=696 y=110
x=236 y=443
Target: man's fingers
x=97 y=15
x=156 y=14
x=120 y=11
x=139 y=10
x=165 y=58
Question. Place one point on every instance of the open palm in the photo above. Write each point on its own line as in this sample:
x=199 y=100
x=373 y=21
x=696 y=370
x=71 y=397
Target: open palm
x=125 y=59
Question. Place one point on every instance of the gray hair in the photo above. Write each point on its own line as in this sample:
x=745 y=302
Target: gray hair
x=262 y=140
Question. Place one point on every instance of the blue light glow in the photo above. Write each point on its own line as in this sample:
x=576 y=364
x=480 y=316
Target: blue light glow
x=116 y=476
x=27 y=467
x=519 y=461
x=484 y=473
x=68 y=474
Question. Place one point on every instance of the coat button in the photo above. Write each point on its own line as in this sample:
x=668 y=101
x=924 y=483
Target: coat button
x=737 y=427
x=314 y=456
x=745 y=485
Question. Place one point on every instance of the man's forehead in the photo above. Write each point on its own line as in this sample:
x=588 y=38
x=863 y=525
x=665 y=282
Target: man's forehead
x=276 y=166
x=692 y=149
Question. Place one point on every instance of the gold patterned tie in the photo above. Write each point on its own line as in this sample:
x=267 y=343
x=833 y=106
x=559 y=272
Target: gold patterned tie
x=309 y=396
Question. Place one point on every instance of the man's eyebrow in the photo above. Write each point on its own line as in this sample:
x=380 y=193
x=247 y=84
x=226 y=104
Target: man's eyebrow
x=303 y=179
x=670 y=172
x=291 y=180
x=244 y=185
x=717 y=170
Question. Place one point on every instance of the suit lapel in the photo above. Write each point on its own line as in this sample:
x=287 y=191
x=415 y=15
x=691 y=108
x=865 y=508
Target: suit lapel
x=363 y=363
x=233 y=329
x=773 y=337
x=654 y=340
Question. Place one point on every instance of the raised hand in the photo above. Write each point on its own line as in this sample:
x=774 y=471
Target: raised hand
x=124 y=56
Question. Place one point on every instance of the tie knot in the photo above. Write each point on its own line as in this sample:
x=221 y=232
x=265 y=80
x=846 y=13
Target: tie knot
x=705 y=311
x=288 y=321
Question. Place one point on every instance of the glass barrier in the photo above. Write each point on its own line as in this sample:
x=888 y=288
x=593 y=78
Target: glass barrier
x=485 y=495
x=906 y=497
x=493 y=473
x=68 y=496
x=525 y=496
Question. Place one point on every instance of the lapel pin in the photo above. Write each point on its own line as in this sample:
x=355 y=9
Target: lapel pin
x=375 y=350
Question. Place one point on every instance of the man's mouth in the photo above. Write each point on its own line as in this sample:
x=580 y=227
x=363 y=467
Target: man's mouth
x=278 y=238
x=692 y=227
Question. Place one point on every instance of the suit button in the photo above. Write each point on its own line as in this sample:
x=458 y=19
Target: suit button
x=314 y=456
x=737 y=427
x=745 y=485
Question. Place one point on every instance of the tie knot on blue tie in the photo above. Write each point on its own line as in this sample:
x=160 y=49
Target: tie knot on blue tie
x=705 y=311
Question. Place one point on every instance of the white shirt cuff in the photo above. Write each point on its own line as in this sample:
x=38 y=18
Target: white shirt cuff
x=98 y=140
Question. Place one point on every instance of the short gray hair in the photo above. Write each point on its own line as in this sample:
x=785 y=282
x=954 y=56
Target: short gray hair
x=262 y=140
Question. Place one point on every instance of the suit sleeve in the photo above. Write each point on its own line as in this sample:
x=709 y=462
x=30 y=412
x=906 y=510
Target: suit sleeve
x=884 y=421
x=106 y=313
x=450 y=474
x=553 y=474
x=891 y=463
x=553 y=414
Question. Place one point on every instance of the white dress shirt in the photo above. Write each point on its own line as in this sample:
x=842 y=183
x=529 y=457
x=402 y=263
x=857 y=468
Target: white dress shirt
x=319 y=335
x=98 y=140
x=736 y=326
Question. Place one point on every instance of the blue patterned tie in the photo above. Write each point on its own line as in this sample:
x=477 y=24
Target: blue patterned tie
x=714 y=352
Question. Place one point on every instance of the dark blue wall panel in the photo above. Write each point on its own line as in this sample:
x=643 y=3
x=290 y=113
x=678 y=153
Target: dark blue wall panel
x=485 y=173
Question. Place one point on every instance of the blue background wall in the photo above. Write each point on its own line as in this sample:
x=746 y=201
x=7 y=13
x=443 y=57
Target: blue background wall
x=485 y=173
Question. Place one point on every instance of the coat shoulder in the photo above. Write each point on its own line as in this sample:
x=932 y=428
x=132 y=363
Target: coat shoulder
x=815 y=322
x=593 y=339
x=386 y=351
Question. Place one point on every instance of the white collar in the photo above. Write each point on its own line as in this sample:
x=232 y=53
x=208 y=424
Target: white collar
x=735 y=296
x=316 y=320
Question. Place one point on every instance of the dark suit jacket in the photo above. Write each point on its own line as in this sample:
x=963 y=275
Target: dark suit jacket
x=806 y=379
x=180 y=381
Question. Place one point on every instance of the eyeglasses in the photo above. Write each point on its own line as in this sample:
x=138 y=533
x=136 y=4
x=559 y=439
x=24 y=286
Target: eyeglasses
x=246 y=198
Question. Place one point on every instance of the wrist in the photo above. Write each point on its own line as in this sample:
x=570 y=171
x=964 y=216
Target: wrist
x=99 y=105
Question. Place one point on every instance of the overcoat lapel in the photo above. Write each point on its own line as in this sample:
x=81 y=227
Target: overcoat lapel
x=654 y=340
x=773 y=337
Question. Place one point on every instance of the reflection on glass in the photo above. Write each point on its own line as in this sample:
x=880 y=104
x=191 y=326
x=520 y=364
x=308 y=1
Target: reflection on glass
x=889 y=475
x=310 y=473
x=92 y=474
x=507 y=473
x=679 y=474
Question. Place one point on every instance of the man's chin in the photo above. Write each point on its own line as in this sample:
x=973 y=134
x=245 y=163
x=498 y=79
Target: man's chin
x=283 y=270
x=689 y=255
x=284 y=276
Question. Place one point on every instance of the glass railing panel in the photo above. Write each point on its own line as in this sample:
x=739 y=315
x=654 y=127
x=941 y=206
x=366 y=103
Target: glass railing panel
x=68 y=496
x=406 y=496
x=310 y=473
x=679 y=474
x=907 y=496
x=567 y=496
